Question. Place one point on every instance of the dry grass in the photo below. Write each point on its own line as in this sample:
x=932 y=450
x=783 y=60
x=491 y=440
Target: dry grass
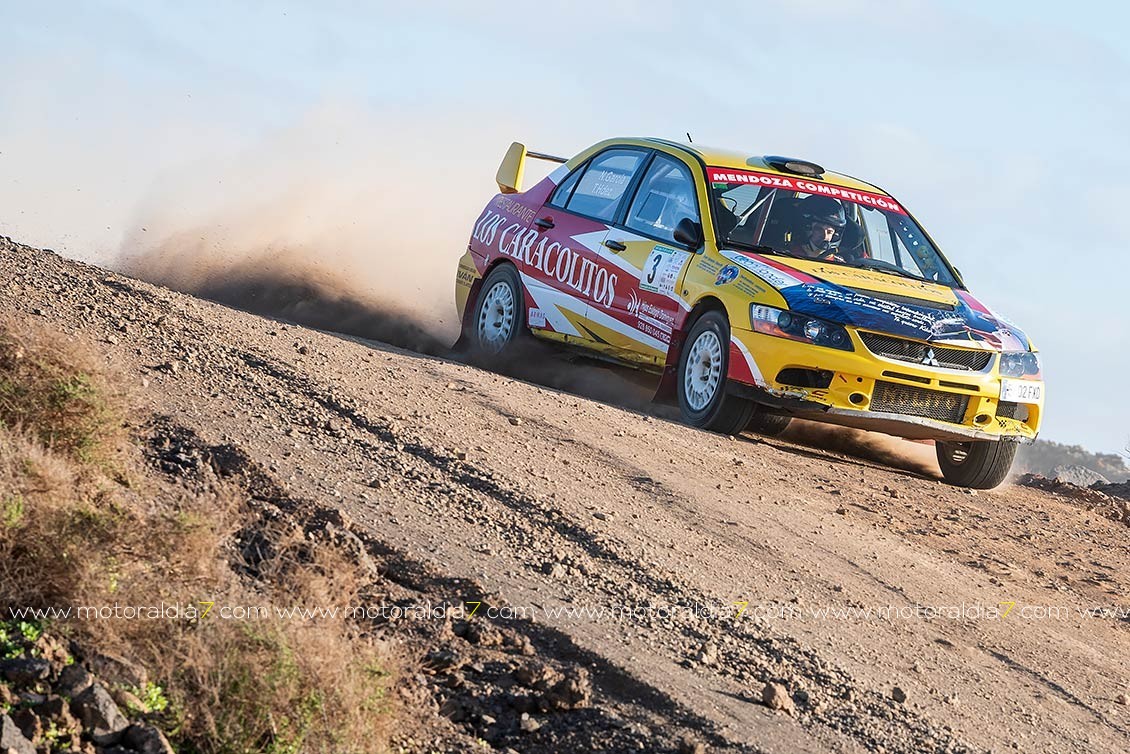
x=58 y=392
x=285 y=685
x=73 y=532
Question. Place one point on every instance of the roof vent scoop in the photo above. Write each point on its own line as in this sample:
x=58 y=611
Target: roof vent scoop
x=795 y=166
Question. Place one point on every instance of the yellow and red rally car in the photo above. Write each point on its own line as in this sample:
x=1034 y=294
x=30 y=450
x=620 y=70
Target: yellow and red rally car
x=759 y=288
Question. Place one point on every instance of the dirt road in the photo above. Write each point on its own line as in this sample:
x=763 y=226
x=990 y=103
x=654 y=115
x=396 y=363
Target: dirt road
x=682 y=570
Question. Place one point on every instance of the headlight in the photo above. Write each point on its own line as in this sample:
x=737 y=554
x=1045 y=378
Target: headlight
x=795 y=326
x=1019 y=364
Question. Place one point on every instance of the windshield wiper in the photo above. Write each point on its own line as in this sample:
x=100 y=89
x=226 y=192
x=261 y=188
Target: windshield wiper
x=891 y=269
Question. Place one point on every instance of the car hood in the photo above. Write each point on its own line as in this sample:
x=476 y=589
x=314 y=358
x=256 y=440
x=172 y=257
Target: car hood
x=884 y=303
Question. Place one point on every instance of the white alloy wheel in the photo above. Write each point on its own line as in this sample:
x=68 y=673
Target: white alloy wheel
x=703 y=373
x=496 y=317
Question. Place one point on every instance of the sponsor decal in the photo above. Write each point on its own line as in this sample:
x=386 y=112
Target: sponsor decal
x=708 y=265
x=553 y=260
x=963 y=327
x=767 y=272
x=465 y=276
x=514 y=208
x=866 y=198
x=535 y=317
x=947 y=326
x=840 y=300
x=968 y=326
x=727 y=274
x=748 y=287
x=651 y=319
x=661 y=270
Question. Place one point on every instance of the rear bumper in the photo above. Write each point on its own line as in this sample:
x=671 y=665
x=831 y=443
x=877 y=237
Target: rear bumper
x=466 y=279
x=863 y=390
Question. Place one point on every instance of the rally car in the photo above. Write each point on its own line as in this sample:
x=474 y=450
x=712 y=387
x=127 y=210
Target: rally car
x=758 y=289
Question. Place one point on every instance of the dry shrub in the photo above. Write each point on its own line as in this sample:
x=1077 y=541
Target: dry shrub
x=286 y=684
x=70 y=535
x=59 y=392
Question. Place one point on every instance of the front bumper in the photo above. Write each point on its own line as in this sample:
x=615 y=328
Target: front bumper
x=864 y=390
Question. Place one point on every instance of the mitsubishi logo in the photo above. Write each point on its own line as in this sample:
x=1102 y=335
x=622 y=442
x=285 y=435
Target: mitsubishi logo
x=929 y=359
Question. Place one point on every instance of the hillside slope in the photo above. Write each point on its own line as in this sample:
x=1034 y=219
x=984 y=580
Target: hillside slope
x=625 y=544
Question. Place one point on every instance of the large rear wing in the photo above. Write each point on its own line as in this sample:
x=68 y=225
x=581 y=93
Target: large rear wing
x=509 y=175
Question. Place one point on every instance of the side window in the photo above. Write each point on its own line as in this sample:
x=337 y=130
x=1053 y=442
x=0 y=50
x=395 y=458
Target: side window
x=878 y=236
x=561 y=193
x=665 y=197
x=600 y=189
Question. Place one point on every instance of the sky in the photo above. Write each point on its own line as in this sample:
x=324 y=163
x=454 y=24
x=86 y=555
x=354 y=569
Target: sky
x=1001 y=126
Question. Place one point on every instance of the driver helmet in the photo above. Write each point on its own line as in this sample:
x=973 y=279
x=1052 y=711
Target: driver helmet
x=826 y=211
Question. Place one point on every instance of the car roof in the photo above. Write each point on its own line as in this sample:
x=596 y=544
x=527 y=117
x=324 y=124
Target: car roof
x=729 y=158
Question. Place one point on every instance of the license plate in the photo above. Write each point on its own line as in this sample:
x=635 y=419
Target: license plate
x=1022 y=391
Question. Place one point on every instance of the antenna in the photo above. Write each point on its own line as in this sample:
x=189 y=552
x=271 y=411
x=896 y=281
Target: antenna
x=689 y=139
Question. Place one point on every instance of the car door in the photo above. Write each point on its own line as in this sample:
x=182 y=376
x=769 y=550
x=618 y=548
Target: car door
x=649 y=304
x=570 y=271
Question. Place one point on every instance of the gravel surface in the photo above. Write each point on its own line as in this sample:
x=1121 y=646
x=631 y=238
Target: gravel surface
x=649 y=586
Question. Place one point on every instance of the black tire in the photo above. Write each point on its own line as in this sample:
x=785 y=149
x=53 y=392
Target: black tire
x=977 y=464
x=702 y=406
x=492 y=314
x=764 y=423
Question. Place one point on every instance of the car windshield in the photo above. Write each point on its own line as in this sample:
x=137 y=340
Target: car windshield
x=811 y=219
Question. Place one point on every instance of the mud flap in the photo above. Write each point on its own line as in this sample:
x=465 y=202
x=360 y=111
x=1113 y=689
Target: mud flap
x=665 y=392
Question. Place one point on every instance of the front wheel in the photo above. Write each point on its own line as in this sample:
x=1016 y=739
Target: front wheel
x=978 y=464
x=498 y=320
x=703 y=365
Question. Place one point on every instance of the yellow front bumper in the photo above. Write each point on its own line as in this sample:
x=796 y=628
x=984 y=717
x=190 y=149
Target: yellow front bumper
x=878 y=393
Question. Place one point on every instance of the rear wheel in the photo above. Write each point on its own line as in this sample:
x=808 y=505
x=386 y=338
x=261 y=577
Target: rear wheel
x=764 y=423
x=703 y=365
x=979 y=464
x=498 y=321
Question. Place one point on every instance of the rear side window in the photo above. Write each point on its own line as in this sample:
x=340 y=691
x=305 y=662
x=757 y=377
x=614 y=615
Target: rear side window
x=665 y=197
x=600 y=189
x=561 y=193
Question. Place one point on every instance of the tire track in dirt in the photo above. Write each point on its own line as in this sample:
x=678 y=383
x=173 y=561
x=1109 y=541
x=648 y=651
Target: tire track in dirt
x=770 y=653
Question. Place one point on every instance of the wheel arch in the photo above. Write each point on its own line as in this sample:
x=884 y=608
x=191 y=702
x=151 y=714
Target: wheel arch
x=665 y=391
x=477 y=286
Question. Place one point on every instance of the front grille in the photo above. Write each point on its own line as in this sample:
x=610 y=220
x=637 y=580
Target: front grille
x=919 y=353
x=917 y=401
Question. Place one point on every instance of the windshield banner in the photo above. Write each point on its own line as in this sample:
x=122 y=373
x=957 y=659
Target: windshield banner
x=806 y=185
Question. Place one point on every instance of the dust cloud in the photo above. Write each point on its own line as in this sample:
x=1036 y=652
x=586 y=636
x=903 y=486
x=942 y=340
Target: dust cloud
x=346 y=224
x=341 y=222
x=915 y=457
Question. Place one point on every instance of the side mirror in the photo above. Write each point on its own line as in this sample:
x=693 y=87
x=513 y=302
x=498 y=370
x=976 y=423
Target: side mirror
x=688 y=233
x=509 y=175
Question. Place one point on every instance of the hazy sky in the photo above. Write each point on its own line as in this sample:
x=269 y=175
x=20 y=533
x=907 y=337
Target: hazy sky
x=1002 y=125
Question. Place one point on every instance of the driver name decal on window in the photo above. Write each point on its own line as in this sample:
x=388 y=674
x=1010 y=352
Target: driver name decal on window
x=608 y=184
x=866 y=198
